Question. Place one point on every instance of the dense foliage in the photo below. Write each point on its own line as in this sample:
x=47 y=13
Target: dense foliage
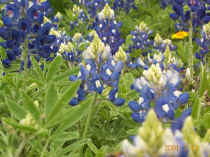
x=77 y=78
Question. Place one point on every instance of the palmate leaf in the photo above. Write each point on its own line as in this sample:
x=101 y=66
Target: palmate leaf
x=16 y=109
x=73 y=115
x=63 y=99
x=53 y=68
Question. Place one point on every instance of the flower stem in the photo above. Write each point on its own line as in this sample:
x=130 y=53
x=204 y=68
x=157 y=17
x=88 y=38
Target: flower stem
x=25 y=56
x=191 y=48
x=20 y=148
x=89 y=116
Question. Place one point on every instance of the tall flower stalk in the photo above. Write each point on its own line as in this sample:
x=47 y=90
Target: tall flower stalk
x=191 y=58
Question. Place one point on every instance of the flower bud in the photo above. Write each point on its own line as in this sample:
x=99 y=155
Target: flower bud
x=206 y=29
x=142 y=27
x=77 y=36
x=158 y=40
x=153 y=74
x=107 y=12
x=120 y=55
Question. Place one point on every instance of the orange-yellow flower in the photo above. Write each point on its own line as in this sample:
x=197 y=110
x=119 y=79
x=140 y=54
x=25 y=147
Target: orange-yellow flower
x=180 y=35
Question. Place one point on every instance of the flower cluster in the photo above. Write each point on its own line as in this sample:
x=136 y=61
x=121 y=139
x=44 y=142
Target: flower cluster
x=72 y=51
x=140 y=44
x=78 y=17
x=94 y=6
x=99 y=71
x=127 y=5
x=108 y=29
x=204 y=42
x=153 y=140
x=141 y=39
x=159 y=87
x=184 y=11
x=24 y=30
x=161 y=44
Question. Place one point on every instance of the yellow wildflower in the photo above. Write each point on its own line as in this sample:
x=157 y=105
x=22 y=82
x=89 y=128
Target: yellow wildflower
x=180 y=35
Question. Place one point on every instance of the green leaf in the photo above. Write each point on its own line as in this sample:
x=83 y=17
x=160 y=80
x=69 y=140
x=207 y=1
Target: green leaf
x=65 y=74
x=75 y=146
x=50 y=98
x=63 y=137
x=66 y=136
x=3 y=53
x=203 y=80
x=68 y=95
x=31 y=107
x=88 y=153
x=92 y=146
x=16 y=125
x=74 y=115
x=196 y=107
x=206 y=120
x=16 y=109
x=53 y=68
x=37 y=69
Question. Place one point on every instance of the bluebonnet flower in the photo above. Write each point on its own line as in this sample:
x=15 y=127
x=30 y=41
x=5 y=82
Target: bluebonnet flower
x=140 y=46
x=161 y=44
x=23 y=23
x=99 y=71
x=108 y=28
x=178 y=123
x=72 y=49
x=164 y=142
x=204 y=43
x=197 y=10
x=159 y=85
x=141 y=39
x=127 y=5
x=78 y=18
x=94 y=6
x=165 y=3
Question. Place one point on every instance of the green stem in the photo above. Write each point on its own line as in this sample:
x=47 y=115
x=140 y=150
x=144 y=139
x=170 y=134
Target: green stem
x=25 y=56
x=89 y=117
x=45 y=148
x=191 y=57
x=20 y=148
